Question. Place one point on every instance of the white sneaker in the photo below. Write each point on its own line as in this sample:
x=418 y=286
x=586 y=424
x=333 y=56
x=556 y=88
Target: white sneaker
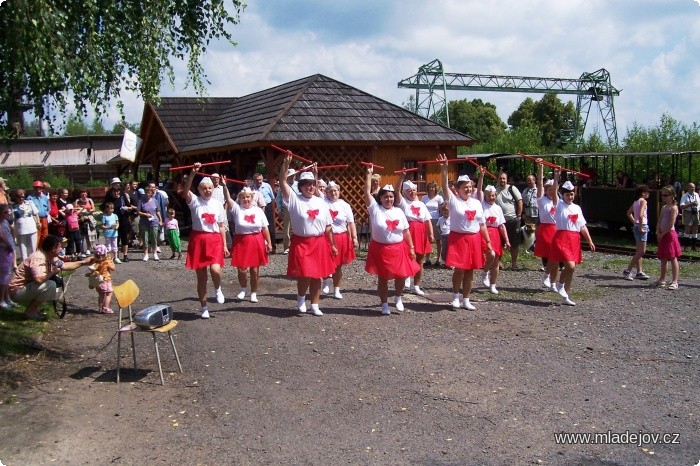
x=145 y=257
x=493 y=289
x=554 y=288
x=326 y=287
x=242 y=293
x=220 y=296
x=562 y=291
x=10 y=303
x=418 y=291
x=286 y=251
x=456 y=301
x=87 y=251
x=158 y=251
x=253 y=297
x=398 y=303
x=316 y=311
x=407 y=282
x=485 y=279
x=155 y=257
x=117 y=260
x=568 y=302
x=337 y=294
x=4 y=306
x=468 y=306
x=385 y=309
x=545 y=281
x=301 y=305
x=205 y=314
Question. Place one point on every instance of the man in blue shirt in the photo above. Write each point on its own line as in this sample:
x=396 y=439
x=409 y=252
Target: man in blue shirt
x=41 y=201
x=268 y=195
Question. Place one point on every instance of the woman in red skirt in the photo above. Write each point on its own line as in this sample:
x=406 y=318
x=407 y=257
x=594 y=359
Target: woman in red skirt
x=419 y=224
x=344 y=233
x=391 y=253
x=312 y=245
x=467 y=229
x=207 y=243
x=566 y=244
x=547 y=228
x=496 y=228
x=251 y=243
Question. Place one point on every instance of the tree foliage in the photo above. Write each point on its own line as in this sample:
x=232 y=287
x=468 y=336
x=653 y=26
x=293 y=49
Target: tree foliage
x=669 y=135
x=89 y=51
x=476 y=118
x=550 y=115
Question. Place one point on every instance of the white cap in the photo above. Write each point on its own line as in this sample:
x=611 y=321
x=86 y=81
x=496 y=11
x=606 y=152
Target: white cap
x=388 y=187
x=489 y=189
x=333 y=184
x=306 y=176
x=215 y=175
x=567 y=186
x=463 y=178
x=115 y=180
x=320 y=182
x=549 y=183
x=290 y=172
x=205 y=180
x=408 y=185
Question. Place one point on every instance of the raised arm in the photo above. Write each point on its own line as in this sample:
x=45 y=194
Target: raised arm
x=555 y=187
x=540 y=178
x=480 y=186
x=284 y=185
x=446 y=192
x=368 y=185
x=398 y=196
x=187 y=188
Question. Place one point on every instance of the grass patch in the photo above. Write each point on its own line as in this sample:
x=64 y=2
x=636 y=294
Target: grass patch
x=16 y=331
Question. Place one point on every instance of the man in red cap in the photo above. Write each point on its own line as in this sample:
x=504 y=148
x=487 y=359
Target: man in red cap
x=41 y=201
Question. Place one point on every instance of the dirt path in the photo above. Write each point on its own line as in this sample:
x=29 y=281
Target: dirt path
x=262 y=385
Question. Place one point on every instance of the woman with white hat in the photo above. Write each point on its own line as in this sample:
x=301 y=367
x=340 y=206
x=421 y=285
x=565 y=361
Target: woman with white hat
x=207 y=243
x=344 y=234
x=391 y=254
x=251 y=242
x=496 y=228
x=467 y=230
x=548 y=225
x=566 y=244
x=312 y=244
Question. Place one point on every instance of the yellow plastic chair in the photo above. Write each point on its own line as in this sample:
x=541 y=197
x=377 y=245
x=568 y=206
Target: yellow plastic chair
x=126 y=295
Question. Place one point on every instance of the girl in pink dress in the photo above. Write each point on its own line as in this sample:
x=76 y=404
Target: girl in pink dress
x=251 y=241
x=566 y=244
x=467 y=231
x=669 y=248
x=391 y=253
x=312 y=245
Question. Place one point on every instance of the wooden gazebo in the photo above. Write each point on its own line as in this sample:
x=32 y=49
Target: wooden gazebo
x=316 y=117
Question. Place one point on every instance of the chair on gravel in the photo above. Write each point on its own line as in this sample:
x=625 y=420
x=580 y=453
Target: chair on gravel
x=126 y=295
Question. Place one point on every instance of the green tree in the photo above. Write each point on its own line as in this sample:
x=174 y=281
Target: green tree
x=478 y=119
x=525 y=139
x=669 y=135
x=89 y=51
x=550 y=115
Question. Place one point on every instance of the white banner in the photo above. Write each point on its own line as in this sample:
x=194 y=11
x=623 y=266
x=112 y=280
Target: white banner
x=130 y=145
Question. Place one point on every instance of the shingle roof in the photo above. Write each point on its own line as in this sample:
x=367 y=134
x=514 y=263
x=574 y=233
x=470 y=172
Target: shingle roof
x=315 y=109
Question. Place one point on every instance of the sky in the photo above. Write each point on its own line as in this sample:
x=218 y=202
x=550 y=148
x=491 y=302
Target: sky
x=649 y=47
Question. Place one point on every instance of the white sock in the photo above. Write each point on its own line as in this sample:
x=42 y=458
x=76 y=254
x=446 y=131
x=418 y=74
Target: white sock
x=301 y=300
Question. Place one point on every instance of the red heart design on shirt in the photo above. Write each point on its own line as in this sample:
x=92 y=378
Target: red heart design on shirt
x=552 y=210
x=470 y=214
x=334 y=214
x=392 y=224
x=249 y=218
x=312 y=214
x=209 y=218
x=573 y=218
x=491 y=220
x=415 y=210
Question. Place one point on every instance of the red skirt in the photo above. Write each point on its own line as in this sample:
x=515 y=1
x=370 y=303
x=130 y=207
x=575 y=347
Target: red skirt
x=310 y=257
x=543 y=238
x=496 y=242
x=248 y=251
x=346 y=250
x=419 y=233
x=566 y=247
x=464 y=251
x=204 y=249
x=668 y=246
x=390 y=261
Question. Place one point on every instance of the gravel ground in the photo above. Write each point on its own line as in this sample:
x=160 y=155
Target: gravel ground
x=262 y=385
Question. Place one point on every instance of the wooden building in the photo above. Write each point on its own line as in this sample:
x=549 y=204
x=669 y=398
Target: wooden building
x=316 y=117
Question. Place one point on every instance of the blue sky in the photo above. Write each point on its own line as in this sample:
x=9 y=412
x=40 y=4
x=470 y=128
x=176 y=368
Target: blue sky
x=650 y=48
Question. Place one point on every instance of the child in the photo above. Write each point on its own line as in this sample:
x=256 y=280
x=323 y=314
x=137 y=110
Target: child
x=172 y=231
x=7 y=256
x=637 y=213
x=110 y=229
x=443 y=224
x=103 y=266
x=669 y=248
x=85 y=207
x=72 y=231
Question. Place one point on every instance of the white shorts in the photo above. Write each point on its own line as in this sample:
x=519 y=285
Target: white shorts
x=111 y=244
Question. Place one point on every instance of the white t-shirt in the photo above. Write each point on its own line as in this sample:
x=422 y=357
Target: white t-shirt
x=569 y=217
x=387 y=225
x=687 y=198
x=547 y=209
x=493 y=214
x=309 y=216
x=414 y=211
x=433 y=205
x=443 y=224
x=248 y=221
x=341 y=214
x=206 y=215
x=465 y=216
